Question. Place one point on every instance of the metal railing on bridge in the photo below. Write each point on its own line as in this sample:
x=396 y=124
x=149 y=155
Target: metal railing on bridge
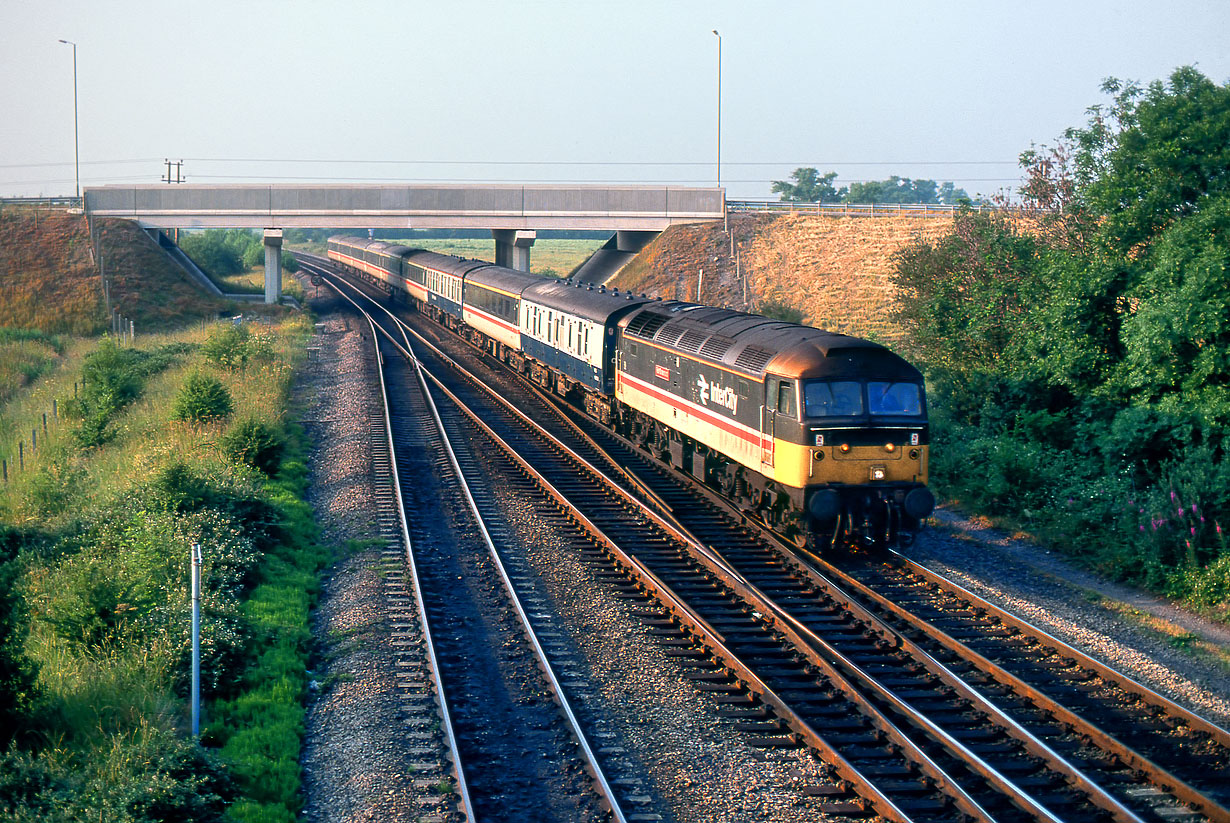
x=46 y=202
x=858 y=209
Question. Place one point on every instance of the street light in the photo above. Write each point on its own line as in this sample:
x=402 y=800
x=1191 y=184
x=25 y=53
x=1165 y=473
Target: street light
x=719 y=111
x=76 y=144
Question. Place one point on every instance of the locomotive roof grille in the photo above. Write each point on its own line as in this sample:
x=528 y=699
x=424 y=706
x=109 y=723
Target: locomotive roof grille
x=692 y=340
x=716 y=347
x=646 y=324
x=669 y=336
x=753 y=358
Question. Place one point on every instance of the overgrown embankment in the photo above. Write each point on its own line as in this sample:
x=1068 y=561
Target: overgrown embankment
x=837 y=271
x=51 y=280
x=181 y=439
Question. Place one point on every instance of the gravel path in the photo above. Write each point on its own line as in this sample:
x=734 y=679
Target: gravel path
x=356 y=766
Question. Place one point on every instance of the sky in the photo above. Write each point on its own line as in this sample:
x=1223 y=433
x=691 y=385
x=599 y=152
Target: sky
x=568 y=91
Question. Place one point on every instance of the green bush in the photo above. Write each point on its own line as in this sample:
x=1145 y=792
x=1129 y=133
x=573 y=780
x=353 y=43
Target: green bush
x=203 y=399
x=255 y=444
x=227 y=346
x=112 y=377
x=18 y=674
x=234 y=346
x=777 y=310
x=1076 y=362
x=220 y=252
x=52 y=487
x=149 y=777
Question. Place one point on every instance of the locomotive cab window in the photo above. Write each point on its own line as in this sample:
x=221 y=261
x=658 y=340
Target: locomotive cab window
x=785 y=398
x=823 y=398
x=894 y=398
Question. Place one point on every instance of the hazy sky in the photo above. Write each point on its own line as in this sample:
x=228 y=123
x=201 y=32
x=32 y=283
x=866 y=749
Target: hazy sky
x=600 y=91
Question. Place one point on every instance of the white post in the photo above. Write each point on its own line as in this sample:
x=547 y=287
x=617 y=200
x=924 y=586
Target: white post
x=196 y=639
x=700 y=278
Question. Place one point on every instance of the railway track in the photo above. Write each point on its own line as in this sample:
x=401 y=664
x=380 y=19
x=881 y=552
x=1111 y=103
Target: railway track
x=504 y=742
x=909 y=732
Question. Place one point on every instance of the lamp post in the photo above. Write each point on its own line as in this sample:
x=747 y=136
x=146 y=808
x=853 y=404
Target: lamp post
x=719 y=111
x=76 y=143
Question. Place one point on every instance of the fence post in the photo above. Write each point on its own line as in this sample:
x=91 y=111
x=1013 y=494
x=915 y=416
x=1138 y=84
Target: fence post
x=21 y=455
x=55 y=409
x=4 y=464
x=196 y=640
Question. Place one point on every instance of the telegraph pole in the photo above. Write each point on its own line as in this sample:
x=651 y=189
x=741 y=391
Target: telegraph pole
x=178 y=178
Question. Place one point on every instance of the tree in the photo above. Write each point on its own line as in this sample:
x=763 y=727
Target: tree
x=904 y=190
x=1155 y=156
x=1177 y=338
x=809 y=186
x=965 y=298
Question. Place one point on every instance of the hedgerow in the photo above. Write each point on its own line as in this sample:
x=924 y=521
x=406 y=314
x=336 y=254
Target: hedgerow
x=1078 y=360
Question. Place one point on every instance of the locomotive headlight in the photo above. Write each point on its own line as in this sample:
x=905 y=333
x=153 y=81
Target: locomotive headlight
x=890 y=447
x=845 y=448
x=878 y=473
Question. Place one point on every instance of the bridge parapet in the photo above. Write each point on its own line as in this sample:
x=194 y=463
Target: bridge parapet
x=616 y=208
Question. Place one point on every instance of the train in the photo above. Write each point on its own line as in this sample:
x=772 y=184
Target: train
x=822 y=437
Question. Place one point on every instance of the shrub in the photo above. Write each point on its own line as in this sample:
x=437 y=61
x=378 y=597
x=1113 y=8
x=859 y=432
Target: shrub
x=255 y=444
x=148 y=777
x=52 y=488
x=112 y=377
x=234 y=346
x=203 y=399
x=777 y=310
x=17 y=671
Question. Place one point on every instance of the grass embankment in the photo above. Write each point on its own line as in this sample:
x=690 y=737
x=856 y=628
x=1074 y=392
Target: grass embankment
x=51 y=281
x=181 y=439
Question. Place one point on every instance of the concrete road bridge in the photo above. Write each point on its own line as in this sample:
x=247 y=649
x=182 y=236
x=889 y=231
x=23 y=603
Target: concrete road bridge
x=513 y=213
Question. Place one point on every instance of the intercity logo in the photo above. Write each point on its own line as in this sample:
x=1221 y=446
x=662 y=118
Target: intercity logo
x=726 y=397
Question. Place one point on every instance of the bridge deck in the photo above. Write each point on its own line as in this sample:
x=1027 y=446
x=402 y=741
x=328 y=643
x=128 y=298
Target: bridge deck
x=538 y=207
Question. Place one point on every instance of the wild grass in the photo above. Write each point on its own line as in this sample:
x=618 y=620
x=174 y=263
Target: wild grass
x=111 y=709
x=252 y=281
x=549 y=257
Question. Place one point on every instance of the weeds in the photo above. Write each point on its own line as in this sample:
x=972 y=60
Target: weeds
x=95 y=595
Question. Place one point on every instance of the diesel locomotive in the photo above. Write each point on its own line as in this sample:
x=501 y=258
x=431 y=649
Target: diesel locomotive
x=821 y=436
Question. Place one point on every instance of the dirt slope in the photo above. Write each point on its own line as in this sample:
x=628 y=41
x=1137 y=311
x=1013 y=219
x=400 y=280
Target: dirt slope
x=49 y=280
x=836 y=270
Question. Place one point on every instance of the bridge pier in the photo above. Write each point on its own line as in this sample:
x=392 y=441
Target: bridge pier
x=273 y=265
x=633 y=241
x=512 y=247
